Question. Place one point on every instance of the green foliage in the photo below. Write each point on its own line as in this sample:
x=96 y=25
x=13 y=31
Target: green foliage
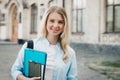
x=111 y=64
x=108 y=68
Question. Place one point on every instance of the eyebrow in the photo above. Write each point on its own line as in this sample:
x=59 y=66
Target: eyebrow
x=59 y=20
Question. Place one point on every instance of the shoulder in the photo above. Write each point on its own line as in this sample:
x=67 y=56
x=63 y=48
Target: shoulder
x=71 y=50
x=38 y=40
x=72 y=56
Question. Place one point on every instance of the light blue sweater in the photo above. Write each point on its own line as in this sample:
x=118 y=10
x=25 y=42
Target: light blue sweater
x=61 y=70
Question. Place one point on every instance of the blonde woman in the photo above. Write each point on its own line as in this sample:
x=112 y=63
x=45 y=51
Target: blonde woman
x=54 y=36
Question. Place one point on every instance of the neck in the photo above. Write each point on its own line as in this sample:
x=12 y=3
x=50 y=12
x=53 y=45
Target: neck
x=52 y=40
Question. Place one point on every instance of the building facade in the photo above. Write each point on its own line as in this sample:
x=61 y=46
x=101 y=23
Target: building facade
x=91 y=21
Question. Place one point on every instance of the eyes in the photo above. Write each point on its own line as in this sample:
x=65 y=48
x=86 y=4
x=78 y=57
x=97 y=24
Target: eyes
x=54 y=21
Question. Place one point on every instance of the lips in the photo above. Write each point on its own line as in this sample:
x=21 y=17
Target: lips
x=55 y=29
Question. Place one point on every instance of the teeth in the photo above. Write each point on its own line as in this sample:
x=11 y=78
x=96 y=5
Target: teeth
x=56 y=29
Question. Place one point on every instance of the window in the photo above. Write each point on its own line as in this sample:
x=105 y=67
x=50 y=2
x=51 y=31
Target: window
x=42 y=10
x=78 y=14
x=63 y=4
x=33 y=18
x=51 y=2
x=113 y=16
x=20 y=20
x=2 y=19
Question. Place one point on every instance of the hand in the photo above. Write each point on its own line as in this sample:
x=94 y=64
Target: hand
x=35 y=78
x=22 y=77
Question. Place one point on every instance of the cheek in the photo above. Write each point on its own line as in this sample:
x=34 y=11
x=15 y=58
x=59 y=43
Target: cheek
x=49 y=27
x=62 y=28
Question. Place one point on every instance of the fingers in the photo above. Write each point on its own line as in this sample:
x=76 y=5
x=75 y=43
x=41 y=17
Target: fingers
x=35 y=78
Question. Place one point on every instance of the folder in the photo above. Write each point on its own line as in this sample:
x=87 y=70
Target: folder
x=34 y=63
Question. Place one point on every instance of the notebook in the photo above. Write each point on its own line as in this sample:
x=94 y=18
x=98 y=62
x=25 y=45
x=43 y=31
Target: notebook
x=34 y=63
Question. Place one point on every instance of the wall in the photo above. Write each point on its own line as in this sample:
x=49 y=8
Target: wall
x=95 y=22
x=92 y=21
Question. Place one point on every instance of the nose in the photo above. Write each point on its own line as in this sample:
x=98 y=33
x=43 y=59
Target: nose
x=56 y=24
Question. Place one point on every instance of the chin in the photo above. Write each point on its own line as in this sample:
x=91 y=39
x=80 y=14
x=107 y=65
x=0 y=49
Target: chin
x=55 y=34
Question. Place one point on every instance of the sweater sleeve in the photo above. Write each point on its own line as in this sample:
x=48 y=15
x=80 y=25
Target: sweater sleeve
x=72 y=72
x=17 y=67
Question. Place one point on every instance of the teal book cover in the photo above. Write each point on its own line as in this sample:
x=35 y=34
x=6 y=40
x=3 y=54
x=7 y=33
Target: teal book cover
x=34 y=63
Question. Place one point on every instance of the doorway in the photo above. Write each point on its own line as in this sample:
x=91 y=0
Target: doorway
x=14 y=24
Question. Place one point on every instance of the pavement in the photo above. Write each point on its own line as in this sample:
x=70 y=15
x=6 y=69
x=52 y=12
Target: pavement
x=8 y=54
x=87 y=56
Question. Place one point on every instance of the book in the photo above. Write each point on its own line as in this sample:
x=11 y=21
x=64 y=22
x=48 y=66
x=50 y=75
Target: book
x=34 y=63
x=34 y=69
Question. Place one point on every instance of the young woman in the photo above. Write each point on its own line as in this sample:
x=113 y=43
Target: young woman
x=54 y=36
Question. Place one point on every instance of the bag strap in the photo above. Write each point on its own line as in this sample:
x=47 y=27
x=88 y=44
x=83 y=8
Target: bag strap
x=30 y=44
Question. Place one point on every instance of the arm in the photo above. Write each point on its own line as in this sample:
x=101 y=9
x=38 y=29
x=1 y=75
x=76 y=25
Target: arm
x=17 y=67
x=72 y=72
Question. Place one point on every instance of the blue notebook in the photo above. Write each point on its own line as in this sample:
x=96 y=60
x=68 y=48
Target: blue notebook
x=33 y=60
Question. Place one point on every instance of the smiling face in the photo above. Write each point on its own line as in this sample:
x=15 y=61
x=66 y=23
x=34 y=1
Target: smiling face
x=55 y=24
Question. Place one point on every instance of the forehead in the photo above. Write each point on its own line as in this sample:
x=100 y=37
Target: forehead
x=55 y=15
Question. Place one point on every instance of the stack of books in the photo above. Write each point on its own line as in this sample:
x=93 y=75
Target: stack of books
x=34 y=63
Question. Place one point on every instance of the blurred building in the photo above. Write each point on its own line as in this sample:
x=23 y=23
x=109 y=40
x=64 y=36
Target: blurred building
x=91 y=21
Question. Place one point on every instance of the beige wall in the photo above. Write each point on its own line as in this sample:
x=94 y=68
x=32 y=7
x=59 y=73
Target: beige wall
x=95 y=22
x=92 y=21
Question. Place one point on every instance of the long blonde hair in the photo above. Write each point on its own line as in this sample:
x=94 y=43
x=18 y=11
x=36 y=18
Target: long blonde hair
x=64 y=36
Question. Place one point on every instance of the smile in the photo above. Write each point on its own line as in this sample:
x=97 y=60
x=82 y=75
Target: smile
x=55 y=29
